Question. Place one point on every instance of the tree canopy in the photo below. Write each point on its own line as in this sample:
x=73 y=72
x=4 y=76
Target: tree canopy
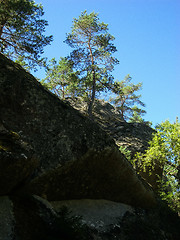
x=164 y=151
x=92 y=54
x=126 y=99
x=60 y=78
x=22 y=30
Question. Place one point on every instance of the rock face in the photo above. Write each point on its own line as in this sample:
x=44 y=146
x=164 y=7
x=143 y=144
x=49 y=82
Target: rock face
x=97 y=175
x=49 y=150
x=133 y=136
x=56 y=131
x=63 y=140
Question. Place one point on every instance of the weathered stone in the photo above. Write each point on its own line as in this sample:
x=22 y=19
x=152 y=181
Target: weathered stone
x=77 y=160
x=17 y=160
x=103 y=112
x=133 y=136
x=63 y=138
x=97 y=214
x=97 y=175
x=57 y=132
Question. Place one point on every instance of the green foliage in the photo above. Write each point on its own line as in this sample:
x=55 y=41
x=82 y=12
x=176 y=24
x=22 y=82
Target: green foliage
x=164 y=151
x=20 y=60
x=61 y=79
x=125 y=99
x=126 y=152
x=92 y=54
x=21 y=30
x=137 y=118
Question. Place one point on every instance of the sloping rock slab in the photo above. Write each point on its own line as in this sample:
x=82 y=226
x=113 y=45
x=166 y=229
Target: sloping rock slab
x=97 y=175
x=57 y=132
x=62 y=139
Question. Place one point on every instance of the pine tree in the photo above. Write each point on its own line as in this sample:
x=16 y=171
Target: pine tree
x=126 y=100
x=92 y=54
x=61 y=79
x=21 y=30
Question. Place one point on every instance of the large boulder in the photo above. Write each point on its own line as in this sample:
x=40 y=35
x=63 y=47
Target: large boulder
x=97 y=175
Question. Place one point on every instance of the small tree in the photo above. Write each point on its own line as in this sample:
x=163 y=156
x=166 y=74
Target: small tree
x=137 y=116
x=20 y=60
x=92 y=54
x=164 y=153
x=125 y=99
x=21 y=30
x=60 y=78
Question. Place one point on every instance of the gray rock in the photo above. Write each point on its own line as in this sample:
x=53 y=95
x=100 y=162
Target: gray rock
x=97 y=214
x=75 y=154
x=57 y=132
x=134 y=137
x=108 y=117
x=97 y=175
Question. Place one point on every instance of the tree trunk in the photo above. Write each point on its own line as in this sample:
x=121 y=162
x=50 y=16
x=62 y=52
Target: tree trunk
x=63 y=92
x=90 y=107
x=1 y=30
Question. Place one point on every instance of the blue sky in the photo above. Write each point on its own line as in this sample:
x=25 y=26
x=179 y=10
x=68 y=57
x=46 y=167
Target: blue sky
x=147 y=37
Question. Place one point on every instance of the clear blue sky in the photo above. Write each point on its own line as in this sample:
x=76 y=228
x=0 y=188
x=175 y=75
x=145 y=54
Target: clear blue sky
x=147 y=37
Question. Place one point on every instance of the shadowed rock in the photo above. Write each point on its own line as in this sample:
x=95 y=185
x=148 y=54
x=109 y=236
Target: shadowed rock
x=97 y=214
x=97 y=175
x=77 y=158
x=57 y=132
x=6 y=218
x=17 y=161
